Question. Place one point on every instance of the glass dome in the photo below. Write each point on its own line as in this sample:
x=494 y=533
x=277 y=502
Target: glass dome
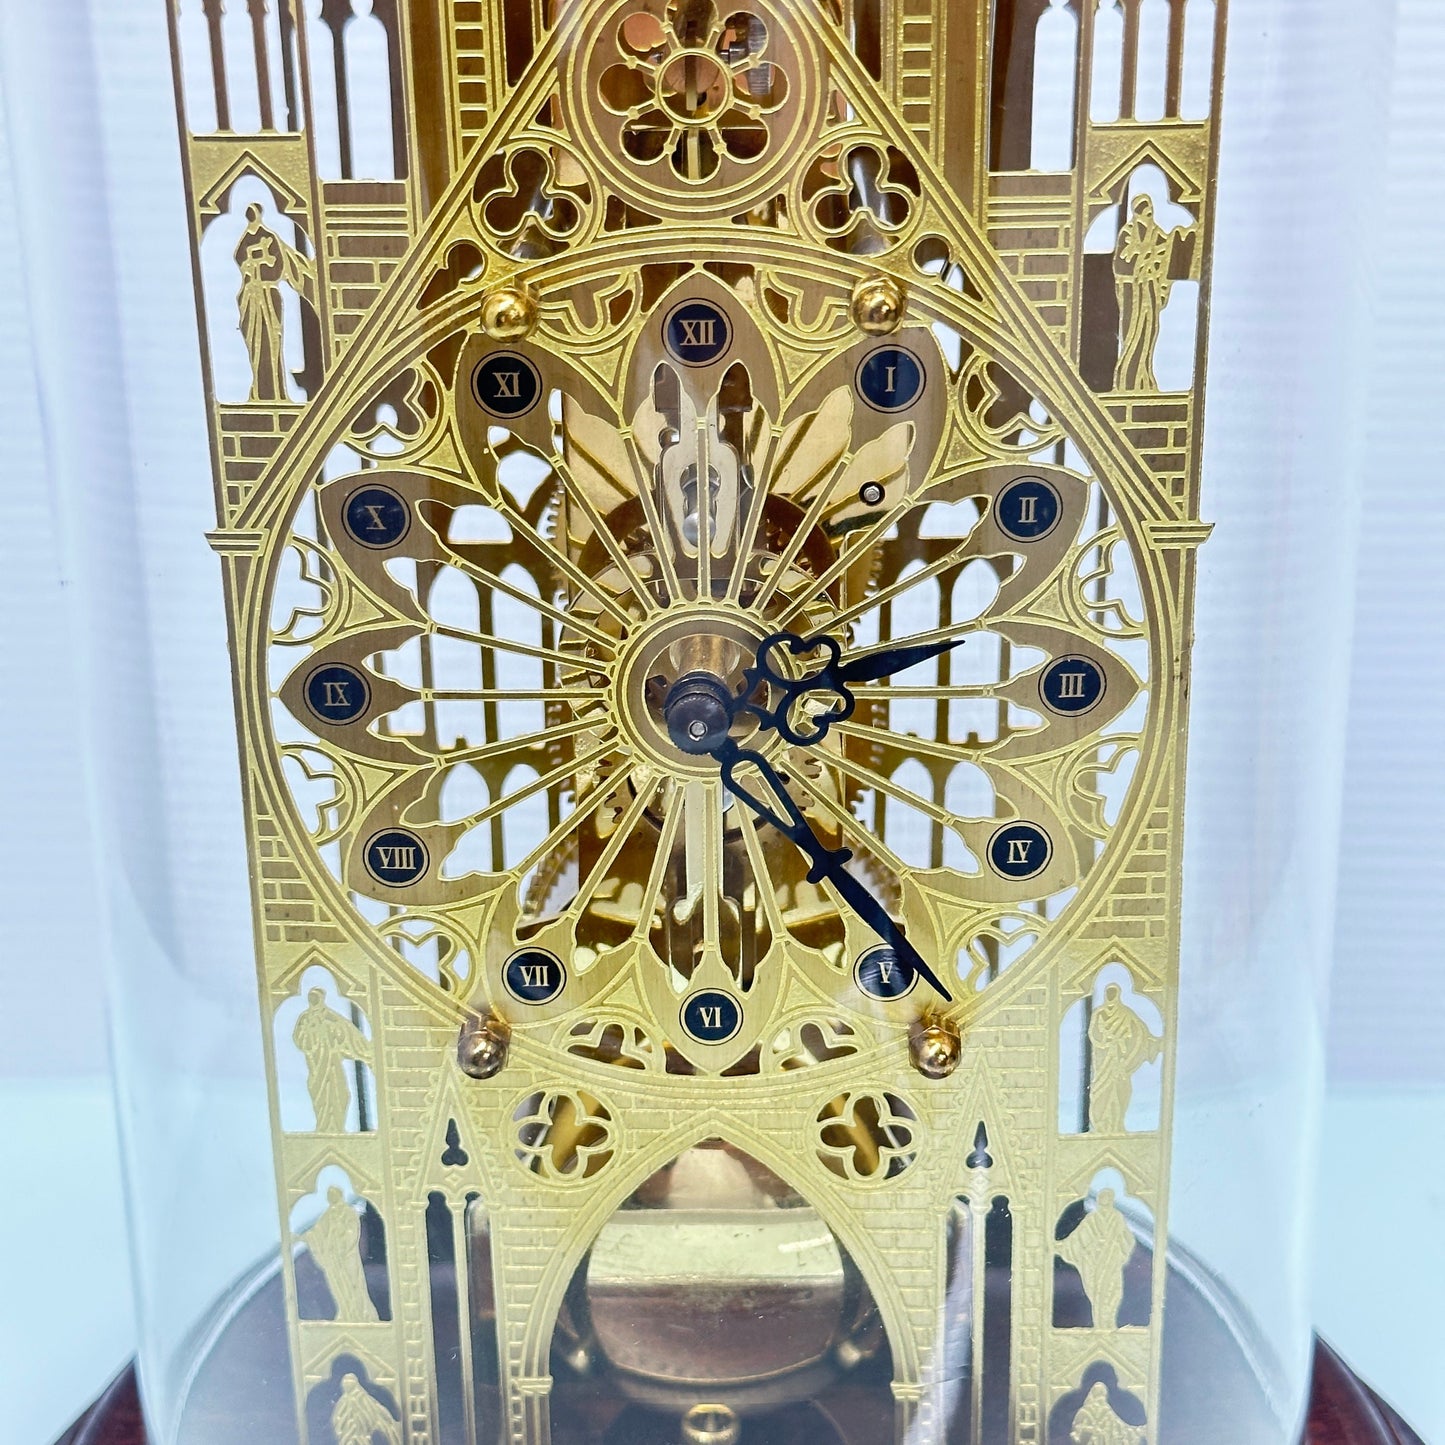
x=786 y=804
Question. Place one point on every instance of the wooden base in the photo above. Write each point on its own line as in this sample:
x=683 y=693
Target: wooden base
x=1343 y=1411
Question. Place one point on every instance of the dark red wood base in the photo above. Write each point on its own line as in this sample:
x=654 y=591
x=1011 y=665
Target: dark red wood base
x=114 y=1419
x=1343 y=1411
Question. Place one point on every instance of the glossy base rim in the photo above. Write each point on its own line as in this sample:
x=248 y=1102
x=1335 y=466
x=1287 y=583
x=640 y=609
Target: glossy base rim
x=1343 y=1411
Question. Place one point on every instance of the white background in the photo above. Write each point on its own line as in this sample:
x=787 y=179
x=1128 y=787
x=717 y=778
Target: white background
x=65 y=1320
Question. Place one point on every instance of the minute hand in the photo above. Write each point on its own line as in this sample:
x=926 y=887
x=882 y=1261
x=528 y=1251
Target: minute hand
x=827 y=863
x=885 y=661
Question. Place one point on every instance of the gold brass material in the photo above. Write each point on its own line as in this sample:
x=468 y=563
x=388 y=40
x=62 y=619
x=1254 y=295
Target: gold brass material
x=482 y=1047
x=876 y=305
x=723 y=1252
x=934 y=1047
x=508 y=313
x=711 y=1425
x=465 y=559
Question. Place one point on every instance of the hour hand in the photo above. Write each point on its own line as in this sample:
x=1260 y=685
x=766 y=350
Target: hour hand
x=827 y=686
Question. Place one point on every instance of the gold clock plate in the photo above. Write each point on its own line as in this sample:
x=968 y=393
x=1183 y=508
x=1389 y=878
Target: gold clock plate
x=556 y=355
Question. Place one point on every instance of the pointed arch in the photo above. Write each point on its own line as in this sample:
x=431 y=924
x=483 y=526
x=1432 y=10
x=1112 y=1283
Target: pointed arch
x=622 y=1182
x=216 y=196
x=1056 y=79
x=1015 y=40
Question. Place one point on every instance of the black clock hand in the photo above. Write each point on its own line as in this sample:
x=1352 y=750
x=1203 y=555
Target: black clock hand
x=828 y=864
x=885 y=661
x=835 y=677
x=699 y=712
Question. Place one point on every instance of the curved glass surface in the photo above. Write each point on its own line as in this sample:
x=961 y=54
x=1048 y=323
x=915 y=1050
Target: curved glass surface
x=786 y=806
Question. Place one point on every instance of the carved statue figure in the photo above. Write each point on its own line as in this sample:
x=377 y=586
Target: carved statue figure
x=1099 y=1249
x=335 y=1244
x=358 y=1417
x=1097 y=1424
x=1143 y=260
x=266 y=261
x=1119 y=1043
x=327 y=1041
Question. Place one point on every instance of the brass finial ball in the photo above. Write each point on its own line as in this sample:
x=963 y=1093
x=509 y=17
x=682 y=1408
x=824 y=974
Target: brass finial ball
x=482 y=1047
x=877 y=305
x=935 y=1049
x=508 y=313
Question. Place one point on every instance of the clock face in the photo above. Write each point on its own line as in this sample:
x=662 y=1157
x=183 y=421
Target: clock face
x=800 y=674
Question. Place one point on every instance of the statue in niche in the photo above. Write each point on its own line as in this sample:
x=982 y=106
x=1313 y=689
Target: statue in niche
x=327 y=1041
x=1099 y=1248
x=1146 y=261
x=267 y=263
x=1119 y=1044
x=1097 y=1424
x=357 y=1417
x=335 y=1244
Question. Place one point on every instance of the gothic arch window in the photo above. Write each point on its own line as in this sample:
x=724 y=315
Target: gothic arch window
x=323 y=1059
x=340 y=1261
x=349 y=1392
x=325 y=107
x=464 y=793
x=249 y=39
x=1100 y=1409
x=520 y=25
x=238 y=65
x=1016 y=38
x=967 y=793
x=525 y=825
x=908 y=832
x=978 y=1305
x=456 y=662
x=817 y=1299
x=1107 y=85
x=1151 y=77
x=1196 y=98
x=256 y=270
x=354 y=60
x=867 y=18
x=917 y=609
x=1141 y=300
x=463 y=1306
x=1103 y=1267
x=369 y=88
x=1056 y=60
x=198 y=70
x=1111 y=1058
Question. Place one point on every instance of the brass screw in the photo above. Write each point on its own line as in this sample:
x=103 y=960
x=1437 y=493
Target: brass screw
x=508 y=313
x=877 y=305
x=934 y=1048
x=482 y=1046
x=711 y=1425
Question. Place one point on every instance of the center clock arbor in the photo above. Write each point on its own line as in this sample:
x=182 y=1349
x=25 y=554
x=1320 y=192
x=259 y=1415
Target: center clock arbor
x=709 y=563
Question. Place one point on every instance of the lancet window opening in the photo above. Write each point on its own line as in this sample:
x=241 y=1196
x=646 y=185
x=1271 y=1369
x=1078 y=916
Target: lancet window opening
x=334 y=67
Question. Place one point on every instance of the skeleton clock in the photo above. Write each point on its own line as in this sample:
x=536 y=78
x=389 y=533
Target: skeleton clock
x=707 y=508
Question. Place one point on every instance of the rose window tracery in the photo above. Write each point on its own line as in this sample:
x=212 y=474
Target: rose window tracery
x=694 y=88
x=692 y=104
x=498 y=646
